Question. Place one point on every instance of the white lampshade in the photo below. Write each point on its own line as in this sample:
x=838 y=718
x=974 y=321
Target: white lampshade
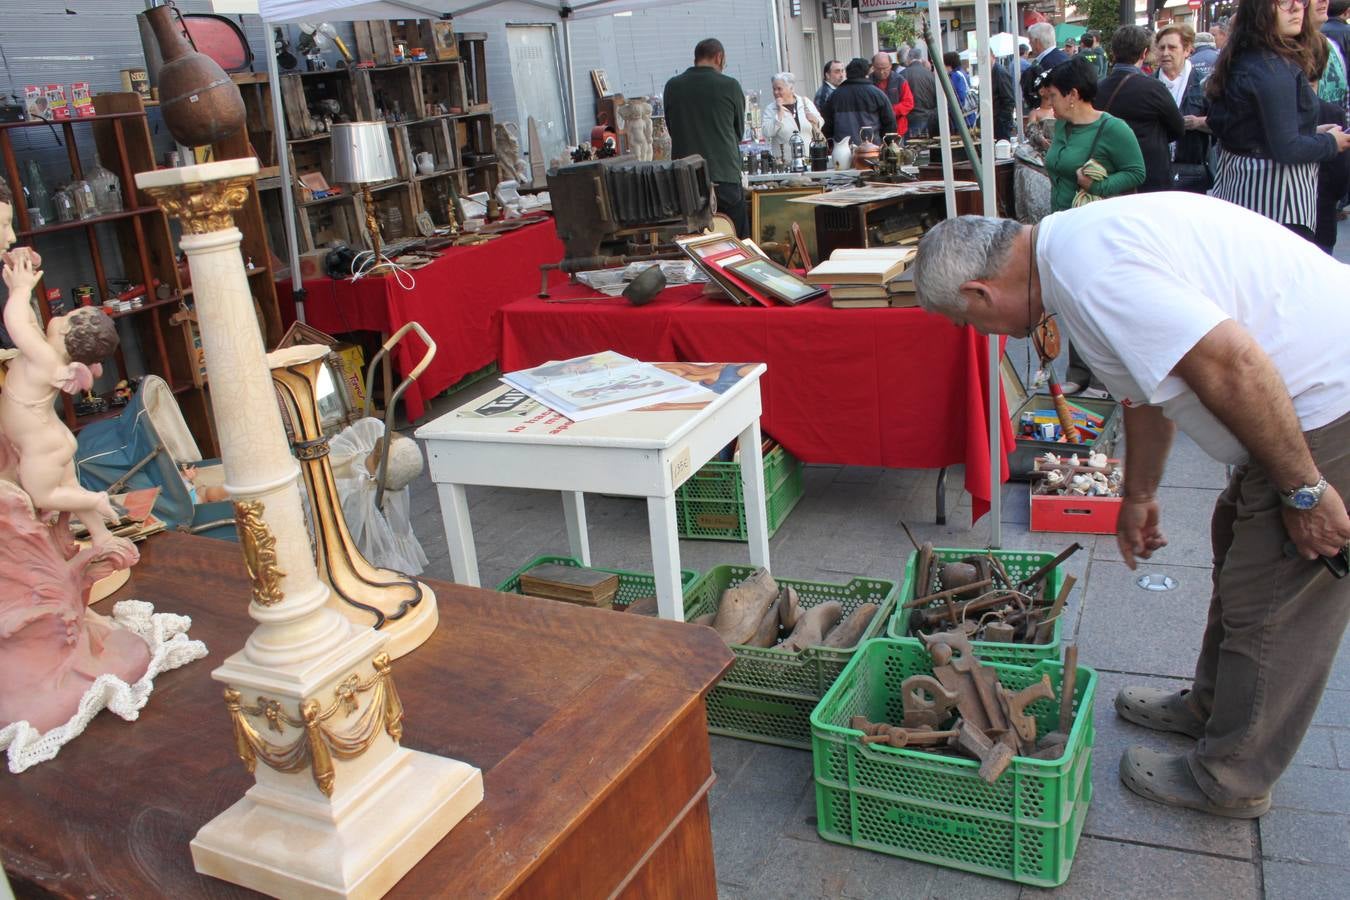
x=362 y=153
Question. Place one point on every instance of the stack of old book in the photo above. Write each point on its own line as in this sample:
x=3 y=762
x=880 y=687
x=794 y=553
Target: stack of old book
x=571 y=584
x=861 y=278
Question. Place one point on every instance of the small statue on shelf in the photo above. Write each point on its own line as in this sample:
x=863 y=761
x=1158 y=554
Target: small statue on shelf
x=637 y=124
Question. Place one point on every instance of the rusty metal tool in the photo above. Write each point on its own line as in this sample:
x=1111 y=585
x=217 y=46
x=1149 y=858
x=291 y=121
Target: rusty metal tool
x=994 y=756
x=926 y=701
x=1049 y=567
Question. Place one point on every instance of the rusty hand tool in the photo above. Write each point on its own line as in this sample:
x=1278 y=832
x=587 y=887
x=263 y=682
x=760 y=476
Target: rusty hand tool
x=896 y=736
x=1049 y=567
x=950 y=592
x=1067 y=687
x=1015 y=705
x=925 y=701
x=994 y=756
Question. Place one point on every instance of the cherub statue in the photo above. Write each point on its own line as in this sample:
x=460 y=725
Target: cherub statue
x=52 y=649
x=637 y=124
x=64 y=357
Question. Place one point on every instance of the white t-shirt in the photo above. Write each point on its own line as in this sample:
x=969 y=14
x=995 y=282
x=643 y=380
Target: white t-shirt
x=1138 y=280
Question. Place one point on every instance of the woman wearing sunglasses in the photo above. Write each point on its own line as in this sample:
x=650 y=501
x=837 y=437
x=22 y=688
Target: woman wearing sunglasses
x=1263 y=111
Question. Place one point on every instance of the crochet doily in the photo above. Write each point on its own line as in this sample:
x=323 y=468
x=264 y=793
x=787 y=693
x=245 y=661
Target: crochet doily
x=170 y=648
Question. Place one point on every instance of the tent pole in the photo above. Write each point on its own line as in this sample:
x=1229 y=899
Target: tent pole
x=944 y=126
x=284 y=162
x=989 y=190
x=570 y=80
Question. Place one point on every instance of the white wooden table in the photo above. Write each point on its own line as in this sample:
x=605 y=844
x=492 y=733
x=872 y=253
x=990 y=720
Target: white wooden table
x=506 y=440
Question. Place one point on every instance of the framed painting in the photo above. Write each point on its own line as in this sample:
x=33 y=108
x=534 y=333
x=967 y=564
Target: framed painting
x=772 y=216
x=782 y=284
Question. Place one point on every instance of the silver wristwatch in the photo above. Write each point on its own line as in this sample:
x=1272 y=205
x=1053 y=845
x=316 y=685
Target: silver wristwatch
x=1305 y=496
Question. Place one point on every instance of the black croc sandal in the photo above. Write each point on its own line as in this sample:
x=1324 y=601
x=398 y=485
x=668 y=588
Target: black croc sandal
x=1158 y=709
x=1166 y=778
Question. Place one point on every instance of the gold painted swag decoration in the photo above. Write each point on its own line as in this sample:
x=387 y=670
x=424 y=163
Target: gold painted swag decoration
x=319 y=743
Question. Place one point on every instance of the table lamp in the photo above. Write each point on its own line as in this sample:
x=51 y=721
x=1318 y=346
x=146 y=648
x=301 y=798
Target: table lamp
x=362 y=155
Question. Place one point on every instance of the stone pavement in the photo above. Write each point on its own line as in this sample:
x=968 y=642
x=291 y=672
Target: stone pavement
x=846 y=525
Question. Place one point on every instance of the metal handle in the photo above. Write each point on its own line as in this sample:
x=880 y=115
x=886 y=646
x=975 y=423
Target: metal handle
x=391 y=403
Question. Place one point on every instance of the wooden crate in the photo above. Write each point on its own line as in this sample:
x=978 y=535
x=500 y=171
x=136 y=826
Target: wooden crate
x=373 y=42
x=321 y=222
x=473 y=50
x=434 y=196
x=415 y=34
x=307 y=96
x=391 y=95
x=443 y=85
x=394 y=210
x=431 y=136
x=313 y=154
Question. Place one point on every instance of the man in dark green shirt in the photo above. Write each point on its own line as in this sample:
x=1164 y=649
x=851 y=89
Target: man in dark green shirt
x=705 y=115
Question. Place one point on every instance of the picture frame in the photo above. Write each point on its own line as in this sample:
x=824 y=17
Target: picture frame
x=778 y=282
x=601 y=82
x=444 y=42
x=772 y=217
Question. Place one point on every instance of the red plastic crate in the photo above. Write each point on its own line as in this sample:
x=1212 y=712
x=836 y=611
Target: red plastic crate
x=1074 y=515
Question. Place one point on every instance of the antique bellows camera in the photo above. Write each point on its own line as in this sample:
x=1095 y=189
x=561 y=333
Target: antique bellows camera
x=612 y=207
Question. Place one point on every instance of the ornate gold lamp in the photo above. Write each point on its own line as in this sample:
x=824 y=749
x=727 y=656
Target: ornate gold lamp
x=338 y=808
x=371 y=596
x=362 y=155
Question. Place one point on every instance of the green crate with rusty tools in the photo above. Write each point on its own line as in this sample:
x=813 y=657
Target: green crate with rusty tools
x=1018 y=564
x=935 y=808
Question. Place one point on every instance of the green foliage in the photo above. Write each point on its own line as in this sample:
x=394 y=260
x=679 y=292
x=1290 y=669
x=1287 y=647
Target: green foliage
x=900 y=29
x=1103 y=17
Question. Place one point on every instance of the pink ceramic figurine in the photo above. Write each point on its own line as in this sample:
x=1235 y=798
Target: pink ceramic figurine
x=51 y=648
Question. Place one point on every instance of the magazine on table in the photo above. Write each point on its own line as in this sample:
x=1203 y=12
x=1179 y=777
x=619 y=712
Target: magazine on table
x=601 y=384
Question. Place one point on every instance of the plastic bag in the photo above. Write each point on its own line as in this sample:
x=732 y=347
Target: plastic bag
x=385 y=537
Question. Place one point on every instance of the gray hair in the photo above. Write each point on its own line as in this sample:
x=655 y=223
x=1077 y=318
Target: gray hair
x=1204 y=39
x=954 y=251
x=784 y=78
x=1221 y=25
x=918 y=54
x=1042 y=33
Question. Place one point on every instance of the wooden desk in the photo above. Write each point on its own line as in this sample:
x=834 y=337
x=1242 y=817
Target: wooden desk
x=589 y=727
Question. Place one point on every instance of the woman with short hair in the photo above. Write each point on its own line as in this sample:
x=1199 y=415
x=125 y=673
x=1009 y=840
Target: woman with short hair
x=1174 y=43
x=788 y=115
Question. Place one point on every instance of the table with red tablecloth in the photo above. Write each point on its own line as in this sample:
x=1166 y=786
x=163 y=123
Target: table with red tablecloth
x=899 y=388
x=455 y=299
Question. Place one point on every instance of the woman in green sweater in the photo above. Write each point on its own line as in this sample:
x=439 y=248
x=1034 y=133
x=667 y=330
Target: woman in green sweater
x=1082 y=133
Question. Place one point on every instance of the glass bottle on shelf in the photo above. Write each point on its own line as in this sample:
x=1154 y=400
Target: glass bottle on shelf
x=107 y=188
x=64 y=206
x=82 y=195
x=38 y=195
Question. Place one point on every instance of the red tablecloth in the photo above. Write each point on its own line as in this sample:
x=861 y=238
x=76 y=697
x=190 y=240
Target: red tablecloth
x=870 y=387
x=455 y=299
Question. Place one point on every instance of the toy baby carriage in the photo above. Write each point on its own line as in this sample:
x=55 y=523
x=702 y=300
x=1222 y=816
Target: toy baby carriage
x=149 y=445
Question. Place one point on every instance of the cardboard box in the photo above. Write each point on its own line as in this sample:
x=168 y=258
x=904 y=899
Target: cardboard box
x=57 y=105
x=311 y=264
x=353 y=363
x=81 y=103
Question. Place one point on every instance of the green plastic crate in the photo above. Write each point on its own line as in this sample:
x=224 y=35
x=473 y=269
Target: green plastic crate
x=1018 y=564
x=1024 y=827
x=632 y=585
x=710 y=506
x=768 y=695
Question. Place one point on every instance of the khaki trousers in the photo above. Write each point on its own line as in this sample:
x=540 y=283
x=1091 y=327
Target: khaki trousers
x=1275 y=624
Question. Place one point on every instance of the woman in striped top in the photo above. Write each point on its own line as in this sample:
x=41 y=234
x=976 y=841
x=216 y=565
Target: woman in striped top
x=1263 y=111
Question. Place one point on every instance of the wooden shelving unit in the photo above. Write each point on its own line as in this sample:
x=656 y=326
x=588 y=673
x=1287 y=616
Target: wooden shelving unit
x=437 y=106
x=145 y=247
